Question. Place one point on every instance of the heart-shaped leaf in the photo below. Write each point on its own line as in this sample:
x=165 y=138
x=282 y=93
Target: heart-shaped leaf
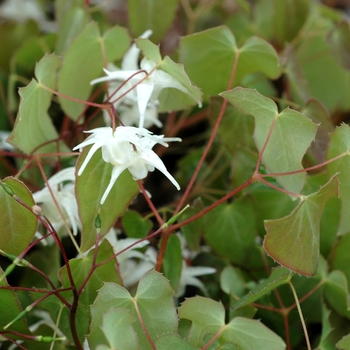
x=294 y=241
x=291 y=136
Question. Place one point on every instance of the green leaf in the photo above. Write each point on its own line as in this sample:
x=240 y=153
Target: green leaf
x=336 y=292
x=294 y=241
x=319 y=115
x=207 y=317
x=249 y=334
x=83 y=61
x=339 y=258
x=193 y=231
x=151 y=14
x=149 y=49
x=33 y=128
x=344 y=343
x=153 y=302
x=291 y=136
x=81 y=267
x=230 y=230
x=10 y=308
x=256 y=55
x=172 y=263
x=118 y=330
x=171 y=342
x=340 y=143
x=297 y=12
x=171 y=99
x=232 y=281
x=135 y=225
x=314 y=53
x=72 y=21
x=16 y=221
x=90 y=187
x=339 y=39
x=278 y=277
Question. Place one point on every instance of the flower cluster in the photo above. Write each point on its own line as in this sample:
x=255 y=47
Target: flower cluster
x=137 y=92
x=58 y=201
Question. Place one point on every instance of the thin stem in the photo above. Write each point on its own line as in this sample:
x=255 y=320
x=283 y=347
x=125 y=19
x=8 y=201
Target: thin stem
x=150 y=203
x=346 y=153
x=265 y=145
x=143 y=325
x=211 y=139
x=300 y=315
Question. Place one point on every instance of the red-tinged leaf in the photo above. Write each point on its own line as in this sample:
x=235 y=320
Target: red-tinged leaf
x=294 y=241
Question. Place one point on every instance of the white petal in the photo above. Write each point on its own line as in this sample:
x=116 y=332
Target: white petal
x=144 y=92
x=130 y=59
x=117 y=170
x=152 y=158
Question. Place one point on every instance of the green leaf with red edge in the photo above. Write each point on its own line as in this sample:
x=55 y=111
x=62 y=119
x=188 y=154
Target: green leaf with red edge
x=10 y=308
x=90 y=187
x=81 y=267
x=256 y=55
x=83 y=61
x=289 y=140
x=16 y=221
x=153 y=302
x=294 y=241
x=340 y=143
x=157 y=15
x=208 y=320
x=33 y=130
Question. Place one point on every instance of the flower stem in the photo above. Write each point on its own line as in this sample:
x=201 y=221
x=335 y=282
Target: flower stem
x=300 y=315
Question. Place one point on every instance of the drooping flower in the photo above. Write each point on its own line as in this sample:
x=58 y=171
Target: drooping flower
x=62 y=187
x=126 y=148
x=147 y=80
x=126 y=102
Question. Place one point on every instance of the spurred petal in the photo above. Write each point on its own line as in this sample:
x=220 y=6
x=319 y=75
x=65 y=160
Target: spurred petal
x=117 y=170
x=151 y=158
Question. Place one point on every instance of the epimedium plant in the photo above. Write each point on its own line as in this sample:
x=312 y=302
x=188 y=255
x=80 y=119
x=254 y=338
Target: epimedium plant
x=104 y=236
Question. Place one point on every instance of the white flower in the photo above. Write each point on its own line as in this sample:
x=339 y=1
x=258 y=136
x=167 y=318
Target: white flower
x=62 y=187
x=23 y=10
x=3 y=143
x=126 y=148
x=127 y=105
x=149 y=82
x=189 y=276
